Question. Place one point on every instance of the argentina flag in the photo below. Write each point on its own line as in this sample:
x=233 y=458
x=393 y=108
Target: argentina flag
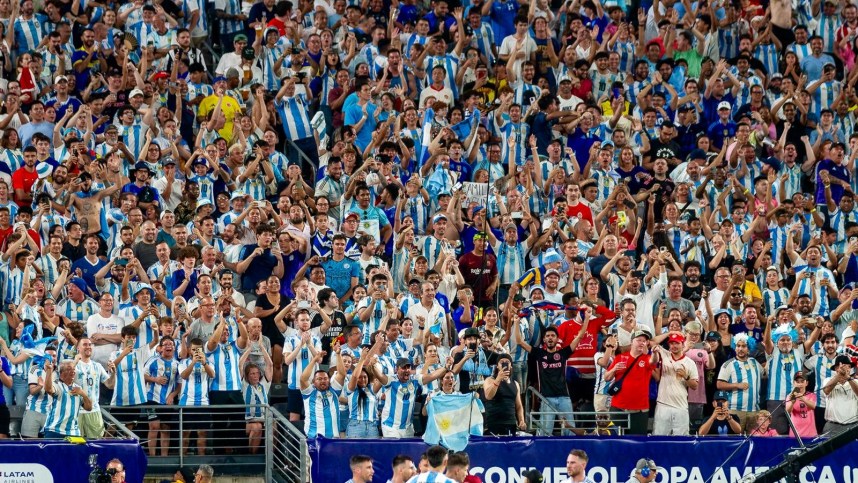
x=452 y=418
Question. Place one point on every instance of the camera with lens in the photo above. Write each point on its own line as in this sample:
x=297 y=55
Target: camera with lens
x=99 y=474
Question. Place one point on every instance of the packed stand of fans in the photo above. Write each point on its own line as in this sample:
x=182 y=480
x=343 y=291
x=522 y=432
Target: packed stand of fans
x=640 y=208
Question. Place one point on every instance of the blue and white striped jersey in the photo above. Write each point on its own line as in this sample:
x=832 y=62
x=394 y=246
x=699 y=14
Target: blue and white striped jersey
x=90 y=376
x=62 y=417
x=254 y=397
x=735 y=371
x=130 y=389
x=158 y=367
x=782 y=367
x=399 y=402
x=363 y=404
x=822 y=367
x=321 y=411
x=195 y=389
x=41 y=402
x=304 y=358
x=227 y=371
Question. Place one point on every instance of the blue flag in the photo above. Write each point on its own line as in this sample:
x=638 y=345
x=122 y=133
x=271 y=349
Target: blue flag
x=452 y=418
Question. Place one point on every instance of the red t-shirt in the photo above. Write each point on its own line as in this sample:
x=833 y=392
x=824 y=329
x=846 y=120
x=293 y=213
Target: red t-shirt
x=635 y=392
x=582 y=358
x=278 y=24
x=24 y=180
x=580 y=210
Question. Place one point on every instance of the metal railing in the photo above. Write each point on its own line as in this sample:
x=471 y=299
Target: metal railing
x=287 y=457
x=218 y=435
x=584 y=422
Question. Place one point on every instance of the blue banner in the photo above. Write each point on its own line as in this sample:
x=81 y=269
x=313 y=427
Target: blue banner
x=43 y=461
x=682 y=460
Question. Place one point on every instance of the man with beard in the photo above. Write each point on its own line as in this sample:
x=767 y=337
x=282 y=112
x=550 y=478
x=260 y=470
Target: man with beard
x=782 y=366
x=25 y=177
x=676 y=376
x=740 y=378
x=841 y=391
x=145 y=249
x=297 y=224
x=811 y=275
x=87 y=204
x=822 y=367
x=692 y=288
x=551 y=373
x=90 y=375
x=87 y=58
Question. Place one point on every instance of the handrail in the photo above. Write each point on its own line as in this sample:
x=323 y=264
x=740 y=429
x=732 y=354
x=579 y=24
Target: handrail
x=304 y=159
x=117 y=426
x=542 y=399
x=289 y=460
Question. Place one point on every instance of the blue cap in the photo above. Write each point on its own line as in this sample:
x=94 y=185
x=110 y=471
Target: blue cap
x=80 y=284
x=218 y=79
x=773 y=162
x=697 y=154
x=721 y=395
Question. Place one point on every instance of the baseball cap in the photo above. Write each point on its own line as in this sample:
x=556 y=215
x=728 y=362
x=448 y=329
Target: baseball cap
x=842 y=359
x=167 y=161
x=676 y=338
x=552 y=272
x=352 y=214
x=799 y=375
x=135 y=92
x=60 y=78
x=217 y=79
x=439 y=217
x=724 y=105
x=238 y=194
x=646 y=463
x=402 y=362
x=532 y=476
x=641 y=333
x=240 y=38
x=471 y=332
x=713 y=335
x=721 y=396
x=248 y=53
x=203 y=202
x=480 y=236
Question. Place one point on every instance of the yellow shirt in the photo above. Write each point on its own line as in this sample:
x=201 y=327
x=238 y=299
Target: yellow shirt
x=230 y=109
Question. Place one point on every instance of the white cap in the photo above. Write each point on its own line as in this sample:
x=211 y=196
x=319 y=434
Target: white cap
x=724 y=105
x=135 y=92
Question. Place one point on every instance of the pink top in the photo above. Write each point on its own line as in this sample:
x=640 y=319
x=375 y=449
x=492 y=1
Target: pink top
x=768 y=432
x=803 y=418
x=700 y=357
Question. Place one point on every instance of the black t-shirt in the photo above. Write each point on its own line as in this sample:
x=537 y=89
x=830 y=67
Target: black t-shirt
x=338 y=320
x=692 y=293
x=722 y=427
x=551 y=370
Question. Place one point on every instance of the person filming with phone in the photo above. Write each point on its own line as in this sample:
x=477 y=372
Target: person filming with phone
x=501 y=397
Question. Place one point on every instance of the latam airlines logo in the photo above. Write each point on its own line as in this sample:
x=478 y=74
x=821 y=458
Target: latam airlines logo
x=25 y=473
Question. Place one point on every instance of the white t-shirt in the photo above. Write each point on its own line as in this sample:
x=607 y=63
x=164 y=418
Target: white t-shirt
x=96 y=324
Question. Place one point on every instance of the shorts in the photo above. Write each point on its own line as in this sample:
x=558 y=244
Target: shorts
x=295 y=402
x=275 y=337
x=601 y=402
x=128 y=414
x=158 y=412
x=196 y=418
x=388 y=432
x=91 y=425
x=4 y=419
x=32 y=424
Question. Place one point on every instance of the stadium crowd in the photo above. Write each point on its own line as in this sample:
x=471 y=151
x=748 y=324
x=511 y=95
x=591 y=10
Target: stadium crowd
x=633 y=207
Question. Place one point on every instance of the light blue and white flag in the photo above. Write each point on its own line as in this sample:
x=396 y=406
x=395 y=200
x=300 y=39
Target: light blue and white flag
x=452 y=418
